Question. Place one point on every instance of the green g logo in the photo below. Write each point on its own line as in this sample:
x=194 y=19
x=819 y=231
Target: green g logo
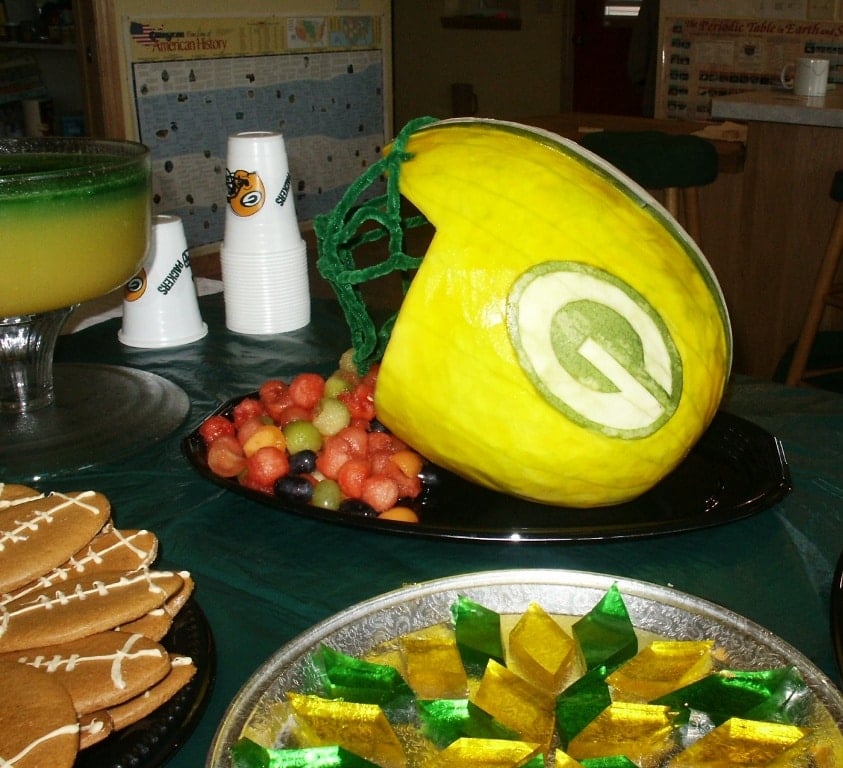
x=594 y=348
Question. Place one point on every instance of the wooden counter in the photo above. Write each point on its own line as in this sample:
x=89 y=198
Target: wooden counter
x=784 y=214
x=782 y=106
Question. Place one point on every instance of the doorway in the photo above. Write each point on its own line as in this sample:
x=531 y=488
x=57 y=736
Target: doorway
x=600 y=45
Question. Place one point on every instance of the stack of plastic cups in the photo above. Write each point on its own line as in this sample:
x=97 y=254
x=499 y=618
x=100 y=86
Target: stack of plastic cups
x=160 y=308
x=263 y=255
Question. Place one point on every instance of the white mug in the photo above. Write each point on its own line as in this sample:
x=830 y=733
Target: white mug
x=810 y=77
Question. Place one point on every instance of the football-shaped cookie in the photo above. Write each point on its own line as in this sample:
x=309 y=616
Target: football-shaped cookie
x=94 y=728
x=39 y=723
x=109 y=550
x=102 y=670
x=84 y=606
x=11 y=493
x=82 y=612
x=181 y=672
x=157 y=623
x=38 y=535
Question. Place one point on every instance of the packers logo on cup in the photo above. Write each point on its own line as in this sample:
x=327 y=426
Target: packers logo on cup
x=245 y=192
x=615 y=367
x=136 y=287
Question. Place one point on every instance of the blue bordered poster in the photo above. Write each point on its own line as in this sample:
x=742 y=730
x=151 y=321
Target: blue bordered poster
x=319 y=80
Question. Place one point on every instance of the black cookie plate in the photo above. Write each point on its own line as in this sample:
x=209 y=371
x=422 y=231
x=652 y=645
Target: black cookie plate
x=150 y=742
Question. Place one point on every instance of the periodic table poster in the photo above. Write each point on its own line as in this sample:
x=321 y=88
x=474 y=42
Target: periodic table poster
x=318 y=80
x=706 y=57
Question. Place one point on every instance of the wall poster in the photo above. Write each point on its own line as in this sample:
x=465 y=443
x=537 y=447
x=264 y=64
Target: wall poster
x=706 y=57
x=319 y=80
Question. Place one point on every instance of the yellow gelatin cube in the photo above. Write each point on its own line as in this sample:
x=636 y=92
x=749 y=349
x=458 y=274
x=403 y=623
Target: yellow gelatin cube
x=516 y=703
x=263 y=727
x=662 y=667
x=540 y=650
x=822 y=748
x=360 y=728
x=740 y=742
x=432 y=664
x=563 y=760
x=641 y=732
x=485 y=753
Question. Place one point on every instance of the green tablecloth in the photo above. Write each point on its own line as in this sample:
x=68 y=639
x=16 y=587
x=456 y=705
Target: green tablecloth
x=263 y=576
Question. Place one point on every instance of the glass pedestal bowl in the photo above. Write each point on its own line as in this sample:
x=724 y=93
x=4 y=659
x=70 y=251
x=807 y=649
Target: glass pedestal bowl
x=75 y=217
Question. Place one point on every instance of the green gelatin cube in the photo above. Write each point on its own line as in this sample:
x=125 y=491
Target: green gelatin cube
x=444 y=721
x=247 y=754
x=775 y=695
x=478 y=633
x=605 y=634
x=789 y=700
x=536 y=762
x=581 y=702
x=618 y=761
x=335 y=675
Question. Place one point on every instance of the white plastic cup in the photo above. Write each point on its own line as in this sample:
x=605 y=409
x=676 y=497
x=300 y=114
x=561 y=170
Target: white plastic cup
x=809 y=77
x=266 y=293
x=160 y=308
x=260 y=215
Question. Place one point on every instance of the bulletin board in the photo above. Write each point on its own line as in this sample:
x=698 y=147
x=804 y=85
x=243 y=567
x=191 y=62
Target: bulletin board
x=319 y=80
x=706 y=57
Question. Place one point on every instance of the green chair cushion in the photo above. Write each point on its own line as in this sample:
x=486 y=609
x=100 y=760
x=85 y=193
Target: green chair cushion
x=657 y=160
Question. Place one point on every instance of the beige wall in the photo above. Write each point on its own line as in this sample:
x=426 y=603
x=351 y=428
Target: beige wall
x=514 y=73
x=110 y=67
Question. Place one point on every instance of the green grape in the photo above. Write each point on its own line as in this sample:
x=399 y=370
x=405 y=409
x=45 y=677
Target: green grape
x=327 y=495
x=336 y=383
x=302 y=436
x=332 y=416
x=347 y=362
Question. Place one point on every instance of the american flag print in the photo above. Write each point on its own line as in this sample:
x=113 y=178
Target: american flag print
x=145 y=34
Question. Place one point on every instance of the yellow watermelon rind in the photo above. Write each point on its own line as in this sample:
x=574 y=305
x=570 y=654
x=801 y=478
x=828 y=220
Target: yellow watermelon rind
x=621 y=182
x=451 y=383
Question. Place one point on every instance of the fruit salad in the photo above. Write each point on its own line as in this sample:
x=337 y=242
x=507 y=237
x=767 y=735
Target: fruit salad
x=316 y=440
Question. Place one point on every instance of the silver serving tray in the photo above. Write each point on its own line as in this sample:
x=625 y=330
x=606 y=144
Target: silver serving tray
x=652 y=608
